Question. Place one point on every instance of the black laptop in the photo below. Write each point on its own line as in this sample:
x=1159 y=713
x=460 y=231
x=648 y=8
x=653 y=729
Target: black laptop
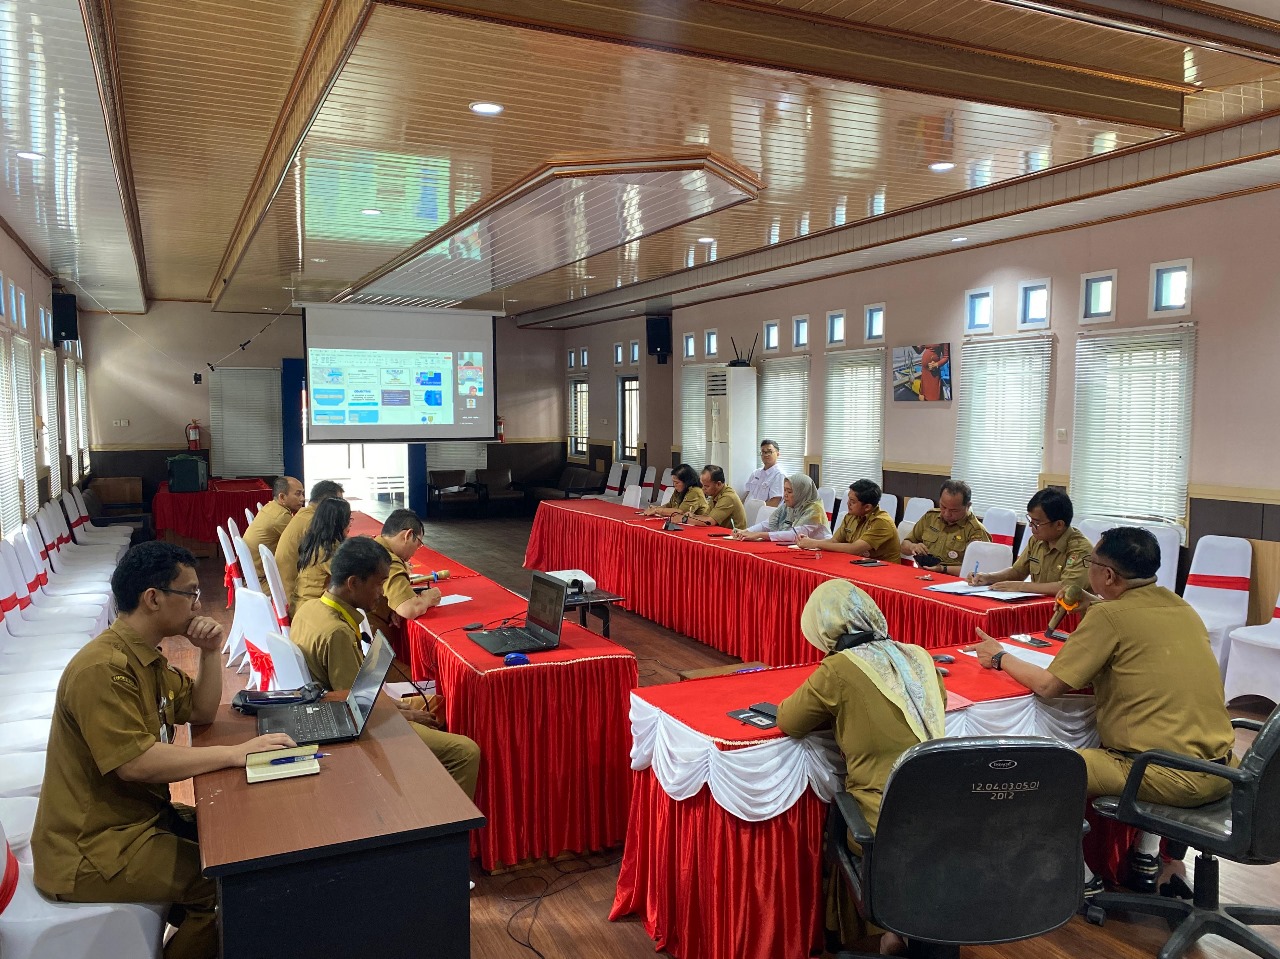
x=333 y=722
x=542 y=622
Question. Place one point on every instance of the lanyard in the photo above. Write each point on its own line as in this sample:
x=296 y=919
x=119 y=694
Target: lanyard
x=334 y=604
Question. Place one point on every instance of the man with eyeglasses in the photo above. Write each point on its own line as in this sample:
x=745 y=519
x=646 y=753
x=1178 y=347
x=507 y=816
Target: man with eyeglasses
x=1053 y=558
x=106 y=829
x=1155 y=680
x=401 y=536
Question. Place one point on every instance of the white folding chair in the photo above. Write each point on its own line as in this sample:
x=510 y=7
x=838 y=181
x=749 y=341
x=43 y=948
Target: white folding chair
x=248 y=516
x=1170 y=540
x=1253 y=668
x=988 y=556
x=33 y=558
x=232 y=528
x=905 y=528
x=828 y=497
x=612 y=483
x=83 y=530
x=763 y=514
x=916 y=507
x=1092 y=527
x=632 y=496
x=646 y=483
x=247 y=569
x=889 y=503
x=1218 y=589
x=279 y=598
x=1001 y=525
x=288 y=664
x=234 y=645
x=15 y=598
x=664 y=487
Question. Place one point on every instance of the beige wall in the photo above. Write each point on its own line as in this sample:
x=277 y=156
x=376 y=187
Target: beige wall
x=529 y=371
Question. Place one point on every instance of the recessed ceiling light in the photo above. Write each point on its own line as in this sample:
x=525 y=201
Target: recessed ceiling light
x=318 y=259
x=942 y=167
x=959 y=239
x=486 y=109
x=30 y=155
x=706 y=239
x=589 y=276
x=371 y=212
x=513 y=301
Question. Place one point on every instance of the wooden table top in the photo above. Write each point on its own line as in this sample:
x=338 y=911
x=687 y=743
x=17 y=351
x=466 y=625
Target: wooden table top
x=382 y=789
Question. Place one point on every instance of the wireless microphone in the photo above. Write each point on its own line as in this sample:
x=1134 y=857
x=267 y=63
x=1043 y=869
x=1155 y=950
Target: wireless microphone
x=1068 y=601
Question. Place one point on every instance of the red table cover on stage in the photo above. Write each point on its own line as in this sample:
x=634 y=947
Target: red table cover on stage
x=554 y=735
x=198 y=515
x=745 y=599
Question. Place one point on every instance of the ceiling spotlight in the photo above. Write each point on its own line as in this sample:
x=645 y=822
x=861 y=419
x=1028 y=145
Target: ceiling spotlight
x=318 y=259
x=30 y=155
x=942 y=167
x=589 y=276
x=486 y=109
x=706 y=239
x=371 y=212
x=959 y=239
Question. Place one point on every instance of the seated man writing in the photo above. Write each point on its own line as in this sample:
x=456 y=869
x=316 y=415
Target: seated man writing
x=401 y=536
x=327 y=630
x=866 y=529
x=725 y=508
x=946 y=532
x=1155 y=679
x=105 y=829
x=1054 y=557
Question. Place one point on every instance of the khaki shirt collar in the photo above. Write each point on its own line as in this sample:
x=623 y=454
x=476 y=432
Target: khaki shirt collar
x=145 y=651
x=395 y=559
x=1060 y=544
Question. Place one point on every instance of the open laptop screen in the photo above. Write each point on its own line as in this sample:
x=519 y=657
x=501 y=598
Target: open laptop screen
x=546 y=605
x=368 y=681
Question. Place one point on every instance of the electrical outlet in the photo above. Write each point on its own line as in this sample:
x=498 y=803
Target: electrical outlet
x=1062 y=435
x=121 y=423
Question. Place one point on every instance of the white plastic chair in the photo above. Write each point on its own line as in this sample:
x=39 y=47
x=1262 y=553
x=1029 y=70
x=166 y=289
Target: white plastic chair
x=1170 y=540
x=905 y=528
x=247 y=569
x=86 y=604
x=32 y=927
x=828 y=497
x=1218 y=589
x=21 y=774
x=988 y=556
x=646 y=483
x=279 y=598
x=248 y=516
x=25 y=735
x=1001 y=525
x=916 y=507
x=18 y=819
x=763 y=514
x=664 y=487
x=889 y=503
x=35 y=569
x=1254 y=666
x=632 y=496
x=1092 y=528
x=612 y=483
x=232 y=528
x=83 y=530
x=288 y=664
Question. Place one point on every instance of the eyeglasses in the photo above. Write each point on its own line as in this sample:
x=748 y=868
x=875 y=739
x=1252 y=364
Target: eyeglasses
x=1035 y=525
x=1090 y=561
x=193 y=595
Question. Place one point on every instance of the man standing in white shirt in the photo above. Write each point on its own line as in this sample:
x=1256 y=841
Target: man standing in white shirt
x=766 y=482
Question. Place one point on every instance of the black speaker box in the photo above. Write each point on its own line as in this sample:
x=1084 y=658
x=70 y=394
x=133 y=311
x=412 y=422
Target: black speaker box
x=66 y=324
x=658 y=336
x=188 y=474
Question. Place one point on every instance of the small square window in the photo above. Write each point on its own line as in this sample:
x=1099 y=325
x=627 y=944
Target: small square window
x=1033 y=305
x=835 y=327
x=21 y=317
x=1170 y=288
x=710 y=342
x=771 y=336
x=573 y=359
x=978 y=310
x=873 y=328
x=617 y=354
x=1098 y=297
x=584 y=358
x=635 y=352
x=690 y=346
x=800 y=332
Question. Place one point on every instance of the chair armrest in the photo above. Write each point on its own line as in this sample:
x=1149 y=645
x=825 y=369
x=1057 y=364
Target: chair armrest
x=1162 y=757
x=856 y=823
x=1253 y=724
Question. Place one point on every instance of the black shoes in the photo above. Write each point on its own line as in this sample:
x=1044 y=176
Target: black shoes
x=1144 y=871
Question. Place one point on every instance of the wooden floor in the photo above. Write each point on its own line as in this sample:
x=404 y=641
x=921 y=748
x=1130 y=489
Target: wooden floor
x=573 y=919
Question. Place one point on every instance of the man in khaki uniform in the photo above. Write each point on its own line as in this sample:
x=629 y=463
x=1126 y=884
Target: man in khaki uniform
x=947 y=531
x=105 y=830
x=401 y=536
x=1155 y=679
x=272 y=520
x=1055 y=556
x=866 y=529
x=291 y=539
x=724 y=505
x=327 y=630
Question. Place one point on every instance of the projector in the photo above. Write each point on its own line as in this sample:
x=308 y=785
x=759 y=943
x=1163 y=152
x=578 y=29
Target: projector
x=579 y=582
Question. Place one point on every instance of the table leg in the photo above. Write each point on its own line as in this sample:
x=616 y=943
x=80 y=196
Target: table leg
x=605 y=612
x=582 y=614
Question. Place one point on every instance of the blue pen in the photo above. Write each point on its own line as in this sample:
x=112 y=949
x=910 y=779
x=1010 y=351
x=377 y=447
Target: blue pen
x=284 y=760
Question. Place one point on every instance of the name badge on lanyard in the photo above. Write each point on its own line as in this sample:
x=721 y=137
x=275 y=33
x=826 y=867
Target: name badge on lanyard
x=166 y=718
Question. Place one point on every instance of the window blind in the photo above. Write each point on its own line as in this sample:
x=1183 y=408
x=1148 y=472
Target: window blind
x=25 y=405
x=52 y=421
x=1001 y=390
x=853 y=437
x=693 y=413
x=71 y=410
x=10 y=476
x=458 y=455
x=1132 y=442
x=82 y=419
x=578 y=423
x=784 y=408
x=246 y=430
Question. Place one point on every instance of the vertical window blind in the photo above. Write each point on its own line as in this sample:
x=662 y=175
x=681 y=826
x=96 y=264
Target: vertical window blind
x=71 y=411
x=52 y=424
x=693 y=413
x=82 y=419
x=1131 y=449
x=10 y=475
x=1001 y=391
x=784 y=408
x=245 y=427
x=853 y=437
x=24 y=398
x=579 y=424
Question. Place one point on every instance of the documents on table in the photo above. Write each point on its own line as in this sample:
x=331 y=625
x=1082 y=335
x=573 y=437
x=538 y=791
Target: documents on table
x=961 y=588
x=454 y=598
x=1026 y=655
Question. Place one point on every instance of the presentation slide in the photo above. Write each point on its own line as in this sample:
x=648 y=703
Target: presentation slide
x=383 y=374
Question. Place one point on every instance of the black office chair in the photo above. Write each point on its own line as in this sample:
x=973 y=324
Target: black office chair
x=978 y=842
x=1243 y=826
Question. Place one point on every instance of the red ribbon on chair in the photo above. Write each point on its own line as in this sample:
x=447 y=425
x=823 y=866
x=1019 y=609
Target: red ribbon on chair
x=24 y=602
x=9 y=603
x=262 y=665
x=9 y=881
x=283 y=619
x=1276 y=613
x=79 y=521
x=1218 y=582
x=1002 y=539
x=231 y=573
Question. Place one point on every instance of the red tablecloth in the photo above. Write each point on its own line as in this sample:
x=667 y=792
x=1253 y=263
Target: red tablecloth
x=425 y=560
x=745 y=599
x=554 y=735
x=198 y=515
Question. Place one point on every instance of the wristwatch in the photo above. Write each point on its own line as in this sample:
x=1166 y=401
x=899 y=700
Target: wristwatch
x=995 y=660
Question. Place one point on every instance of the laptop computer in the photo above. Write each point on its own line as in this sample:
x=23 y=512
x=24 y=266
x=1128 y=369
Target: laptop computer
x=333 y=722
x=542 y=622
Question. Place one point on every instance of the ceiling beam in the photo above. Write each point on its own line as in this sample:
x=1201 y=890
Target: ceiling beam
x=747 y=33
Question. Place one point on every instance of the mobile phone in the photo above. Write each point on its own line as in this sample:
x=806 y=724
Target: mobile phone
x=766 y=709
x=1033 y=641
x=867 y=562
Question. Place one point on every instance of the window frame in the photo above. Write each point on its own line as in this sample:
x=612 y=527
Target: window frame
x=572 y=361
x=624 y=420
x=799 y=324
x=1153 y=290
x=1025 y=289
x=578 y=388
x=690 y=346
x=867 y=336
x=832 y=342
x=776 y=327
x=1084 y=316
x=710 y=348
x=970 y=297
x=634 y=353
x=617 y=354
x=583 y=355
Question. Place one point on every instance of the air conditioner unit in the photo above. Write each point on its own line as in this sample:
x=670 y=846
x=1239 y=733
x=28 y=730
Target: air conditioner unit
x=731 y=422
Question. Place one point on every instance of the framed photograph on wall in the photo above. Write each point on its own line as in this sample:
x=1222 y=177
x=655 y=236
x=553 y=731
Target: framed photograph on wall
x=922 y=373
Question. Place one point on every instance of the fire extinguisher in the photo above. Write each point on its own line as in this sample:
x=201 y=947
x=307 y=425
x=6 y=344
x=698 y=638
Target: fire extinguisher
x=193 y=435
x=502 y=437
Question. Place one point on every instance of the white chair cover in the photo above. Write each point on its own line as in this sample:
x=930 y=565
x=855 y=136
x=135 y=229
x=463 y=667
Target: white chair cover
x=988 y=556
x=279 y=598
x=763 y=514
x=828 y=497
x=1218 y=588
x=916 y=507
x=248 y=517
x=1254 y=666
x=632 y=496
x=290 y=668
x=1001 y=524
x=889 y=503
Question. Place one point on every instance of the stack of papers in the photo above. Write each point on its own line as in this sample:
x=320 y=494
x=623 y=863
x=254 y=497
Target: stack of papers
x=1023 y=653
x=961 y=588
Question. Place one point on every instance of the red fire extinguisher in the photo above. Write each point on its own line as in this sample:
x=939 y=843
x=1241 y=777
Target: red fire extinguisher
x=502 y=438
x=193 y=435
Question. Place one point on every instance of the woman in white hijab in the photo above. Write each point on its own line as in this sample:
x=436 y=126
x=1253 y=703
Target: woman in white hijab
x=799 y=514
x=880 y=697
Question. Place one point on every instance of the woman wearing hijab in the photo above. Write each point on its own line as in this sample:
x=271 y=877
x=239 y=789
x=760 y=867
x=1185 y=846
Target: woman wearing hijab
x=800 y=514
x=686 y=496
x=880 y=698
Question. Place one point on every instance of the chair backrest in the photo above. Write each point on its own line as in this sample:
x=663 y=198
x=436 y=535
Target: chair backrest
x=228 y=551
x=970 y=815
x=247 y=569
x=446 y=479
x=1001 y=524
x=905 y=528
x=631 y=497
x=289 y=668
x=916 y=507
x=1170 y=540
x=1219 y=577
x=763 y=514
x=646 y=482
x=82 y=501
x=1093 y=527
x=828 y=497
x=630 y=475
x=233 y=529
x=34 y=565
x=613 y=484
x=1256 y=808
x=75 y=515
x=494 y=479
x=248 y=516
x=664 y=486
x=279 y=598
x=11 y=561
x=750 y=507
x=889 y=503
x=988 y=556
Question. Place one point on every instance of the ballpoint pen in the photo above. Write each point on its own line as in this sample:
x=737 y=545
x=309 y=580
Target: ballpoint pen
x=284 y=760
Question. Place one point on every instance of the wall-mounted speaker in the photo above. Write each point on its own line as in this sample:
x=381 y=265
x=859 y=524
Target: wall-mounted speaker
x=66 y=325
x=658 y=336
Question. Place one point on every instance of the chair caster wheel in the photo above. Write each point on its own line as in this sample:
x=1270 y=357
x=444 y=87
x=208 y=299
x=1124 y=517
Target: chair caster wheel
x=1095 y=915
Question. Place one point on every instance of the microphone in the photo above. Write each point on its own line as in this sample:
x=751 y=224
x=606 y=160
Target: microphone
x=1068 y=601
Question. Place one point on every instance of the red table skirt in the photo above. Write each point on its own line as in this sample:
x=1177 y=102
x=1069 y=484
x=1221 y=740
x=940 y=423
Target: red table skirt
x=198 y=515
x=707 y=885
